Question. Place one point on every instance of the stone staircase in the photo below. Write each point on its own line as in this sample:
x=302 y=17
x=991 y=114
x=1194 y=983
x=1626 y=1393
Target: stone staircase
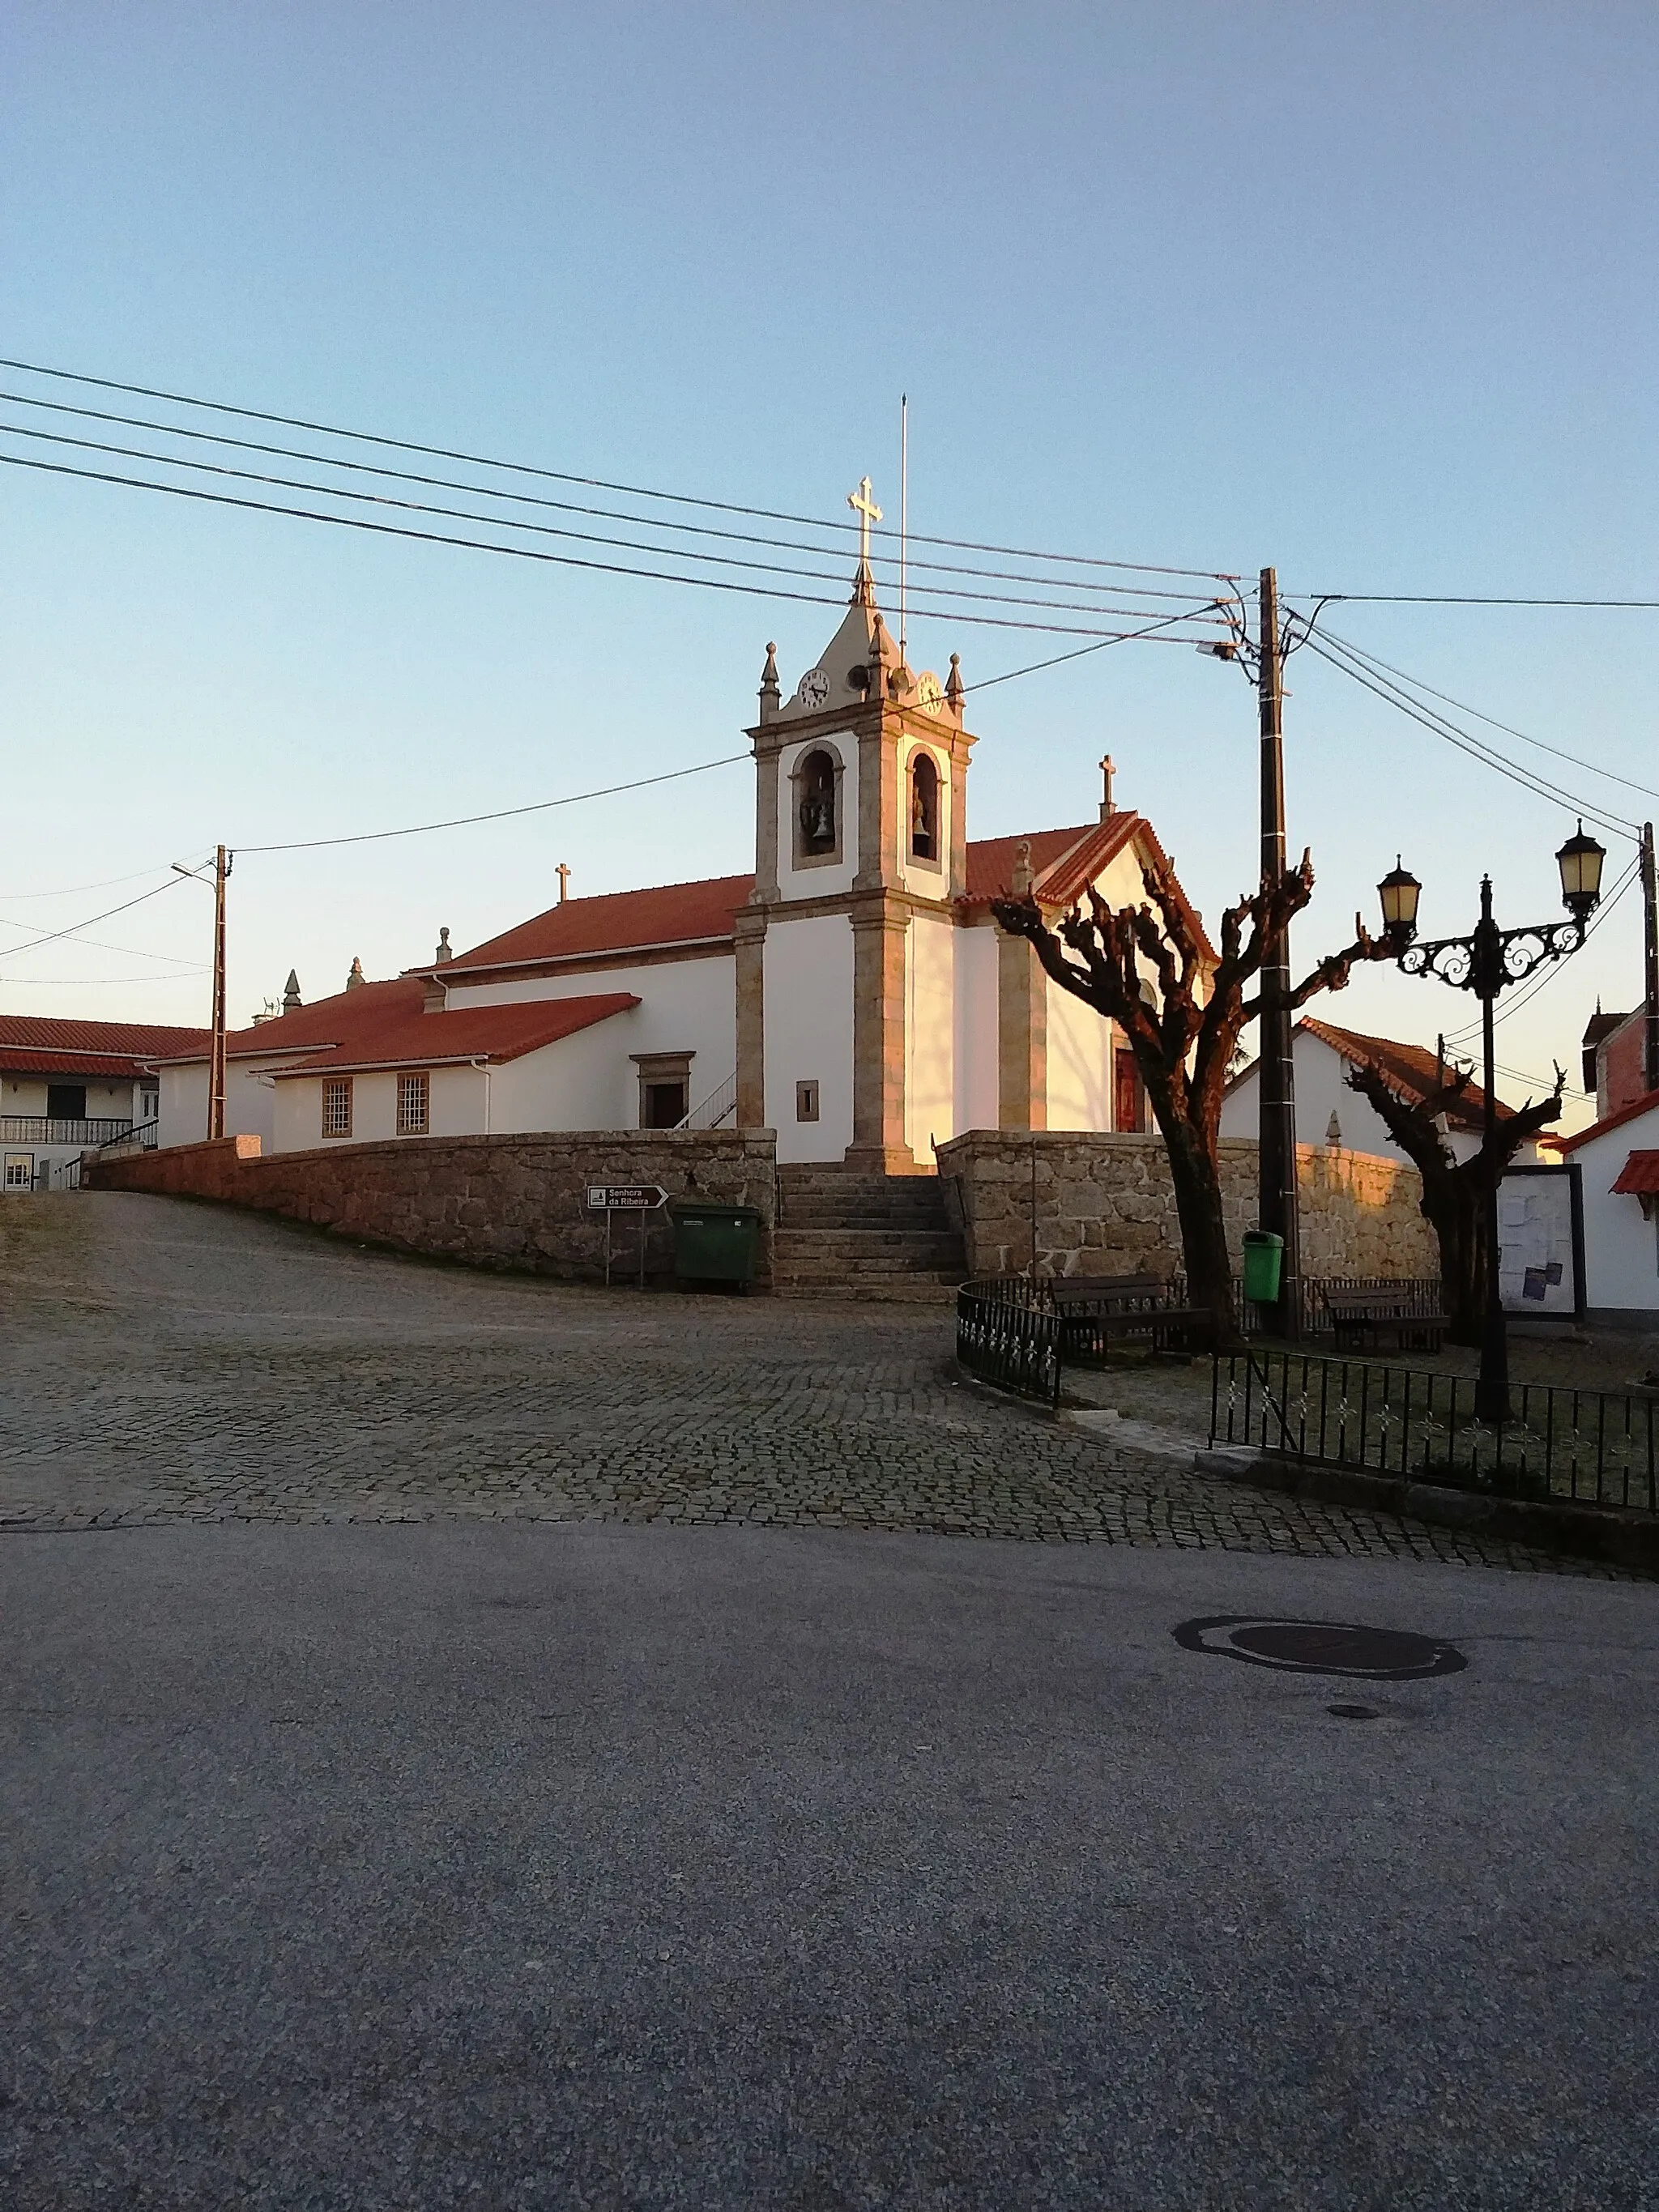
x=842 y=1231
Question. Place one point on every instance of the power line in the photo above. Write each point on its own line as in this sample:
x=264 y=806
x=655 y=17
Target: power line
x=1386 y=689
x=53 y=936
x=500 y=814
x=1375 y=661
x=219 y=438
x=73 y=891
x=595 y=484
x=19 y=983
x=520 y=552
x=547 y=530
x=134 y=952
x=1455 y=599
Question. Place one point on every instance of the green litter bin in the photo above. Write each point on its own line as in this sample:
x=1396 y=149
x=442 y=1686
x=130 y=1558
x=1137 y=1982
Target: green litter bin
x=715 y=1244
x=1264 y=1255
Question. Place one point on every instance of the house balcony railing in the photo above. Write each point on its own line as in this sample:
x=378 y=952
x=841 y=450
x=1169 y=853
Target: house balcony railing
x=136 y=1137
x=48 y=1129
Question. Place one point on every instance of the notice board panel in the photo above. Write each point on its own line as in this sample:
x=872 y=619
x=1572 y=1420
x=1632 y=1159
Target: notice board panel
x=1541 y=1242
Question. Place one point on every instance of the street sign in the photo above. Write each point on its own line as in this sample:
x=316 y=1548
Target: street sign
x=625 y=1197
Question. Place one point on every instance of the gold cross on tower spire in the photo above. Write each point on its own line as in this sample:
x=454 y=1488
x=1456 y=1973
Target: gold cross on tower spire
x=867 y=511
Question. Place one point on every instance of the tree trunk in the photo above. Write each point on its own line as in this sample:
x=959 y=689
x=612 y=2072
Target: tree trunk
x=1453 y=1205
x=1195 y=1172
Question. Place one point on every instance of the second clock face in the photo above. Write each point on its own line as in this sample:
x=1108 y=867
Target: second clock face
x=814 y=688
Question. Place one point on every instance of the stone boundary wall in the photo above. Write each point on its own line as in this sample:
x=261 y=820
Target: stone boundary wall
x=508 y=1203
x=1105 y=1206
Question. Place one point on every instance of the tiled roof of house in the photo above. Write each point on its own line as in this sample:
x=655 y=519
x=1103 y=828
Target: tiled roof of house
x=1645 y=1104
x=398 y=1038
x=1410 y=1069
x=328 y=1022
x=1064 y=862
x=37 y=1044
x=1639 y=1177
x=615 y=921
x=1601 y=1025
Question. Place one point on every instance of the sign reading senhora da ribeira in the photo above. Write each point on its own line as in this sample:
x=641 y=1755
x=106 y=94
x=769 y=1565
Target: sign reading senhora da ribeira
x=625 y=1197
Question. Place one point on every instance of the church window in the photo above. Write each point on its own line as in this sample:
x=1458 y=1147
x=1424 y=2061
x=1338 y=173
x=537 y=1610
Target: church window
x=924 y=807
x=414 y=1105
x=816 y=804
x=336 y=1106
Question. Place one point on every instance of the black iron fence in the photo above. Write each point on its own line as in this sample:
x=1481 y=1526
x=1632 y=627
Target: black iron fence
x=1420 y=1295
x=1597 y=1447
x=1008 y=1333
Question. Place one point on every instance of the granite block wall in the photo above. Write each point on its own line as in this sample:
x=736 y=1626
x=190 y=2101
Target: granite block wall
x=507 y=1202
x=1101 y=1205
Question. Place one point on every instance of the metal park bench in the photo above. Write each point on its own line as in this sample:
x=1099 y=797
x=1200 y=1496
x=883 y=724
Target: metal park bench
x=1097 y=1311
x=1360 y=1314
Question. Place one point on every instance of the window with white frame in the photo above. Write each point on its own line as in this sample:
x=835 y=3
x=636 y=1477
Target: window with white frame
x=20 y=1171
x=414 y=1105
x=336 y=1106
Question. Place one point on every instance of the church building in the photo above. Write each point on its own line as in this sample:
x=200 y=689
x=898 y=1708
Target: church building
x=854 y=993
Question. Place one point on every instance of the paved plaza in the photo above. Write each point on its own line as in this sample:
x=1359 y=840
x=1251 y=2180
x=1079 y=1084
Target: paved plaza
x=168 y=1362
x=401 y=1810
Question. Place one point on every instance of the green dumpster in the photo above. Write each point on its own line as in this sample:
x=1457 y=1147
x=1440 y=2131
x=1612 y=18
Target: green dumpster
x=1264 y=1255
x=715 y=1244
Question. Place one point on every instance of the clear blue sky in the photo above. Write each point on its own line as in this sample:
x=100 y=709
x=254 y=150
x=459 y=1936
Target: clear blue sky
x=1366 y=293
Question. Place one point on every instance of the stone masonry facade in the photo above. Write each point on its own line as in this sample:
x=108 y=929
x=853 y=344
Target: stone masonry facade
x=1102 y=1205
x=507 y=1202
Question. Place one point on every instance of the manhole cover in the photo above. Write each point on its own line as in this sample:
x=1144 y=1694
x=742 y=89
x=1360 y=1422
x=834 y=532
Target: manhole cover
x=1320 y=1647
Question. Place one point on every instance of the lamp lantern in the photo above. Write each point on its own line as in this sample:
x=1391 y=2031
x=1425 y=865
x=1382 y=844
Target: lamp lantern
x=1580 y=862
x=1400 y=891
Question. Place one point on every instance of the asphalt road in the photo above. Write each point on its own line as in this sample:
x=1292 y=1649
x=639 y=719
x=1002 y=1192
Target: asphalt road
x=571 y=1864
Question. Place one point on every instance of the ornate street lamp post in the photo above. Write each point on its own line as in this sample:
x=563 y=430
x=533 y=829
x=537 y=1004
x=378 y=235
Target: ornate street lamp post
x=1485 y=962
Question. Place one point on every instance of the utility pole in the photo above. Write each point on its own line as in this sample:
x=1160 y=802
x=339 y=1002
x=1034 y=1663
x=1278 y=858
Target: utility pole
x=1277 y=1088
x=216 y=1075
x=1650 y=947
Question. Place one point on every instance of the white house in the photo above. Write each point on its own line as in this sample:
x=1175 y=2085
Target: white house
x=68 y=1087
x=1328 y=1113
x=1618 y=1159
x=854 y=993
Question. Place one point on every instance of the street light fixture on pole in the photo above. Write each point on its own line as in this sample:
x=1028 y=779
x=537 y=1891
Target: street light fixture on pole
x=1486 y=962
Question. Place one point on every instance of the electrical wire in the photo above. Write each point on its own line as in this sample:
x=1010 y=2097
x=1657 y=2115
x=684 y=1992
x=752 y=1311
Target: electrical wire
x=73 y=890
x=1455 y=599
x=547 y=530
x=54 y=936
x=219 y=438
x=595 y=484
x=185 y=975
x=522 y=552
x=1375 y=661
x=132 y=952
x=1440 y=726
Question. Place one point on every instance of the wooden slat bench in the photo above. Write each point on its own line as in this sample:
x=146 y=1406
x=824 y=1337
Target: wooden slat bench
x=1361 y=1314
x=1097 y=1311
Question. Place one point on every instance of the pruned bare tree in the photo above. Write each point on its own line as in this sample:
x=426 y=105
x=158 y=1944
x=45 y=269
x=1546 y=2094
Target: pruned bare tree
x=1454 y=1201
x=1149 y=969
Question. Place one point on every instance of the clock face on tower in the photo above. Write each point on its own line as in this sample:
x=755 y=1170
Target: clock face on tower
x=929 y=697
x=814 y=689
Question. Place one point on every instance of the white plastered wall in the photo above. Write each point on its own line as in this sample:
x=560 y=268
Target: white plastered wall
x=107 y=1099
x=1079 y=1060
x=808 y=999
x=822 y=878
x=975 y=952
x=930 y=1084
x=1320 y=1091
x=1621 y=1244
x=685 y=1006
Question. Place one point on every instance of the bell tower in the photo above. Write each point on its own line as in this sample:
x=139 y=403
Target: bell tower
x=861 y=851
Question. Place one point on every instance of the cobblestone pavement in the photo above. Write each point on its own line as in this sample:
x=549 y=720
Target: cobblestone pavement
x=168 y=1362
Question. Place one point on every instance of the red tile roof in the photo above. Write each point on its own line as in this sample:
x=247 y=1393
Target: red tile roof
x=1645 y=1104
x=1065 y=862
x=617 y=921
x=1409 y=1068
x=399 y=1038
x=44 y=1045
x=1639 y=1177
x=329 y=1022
